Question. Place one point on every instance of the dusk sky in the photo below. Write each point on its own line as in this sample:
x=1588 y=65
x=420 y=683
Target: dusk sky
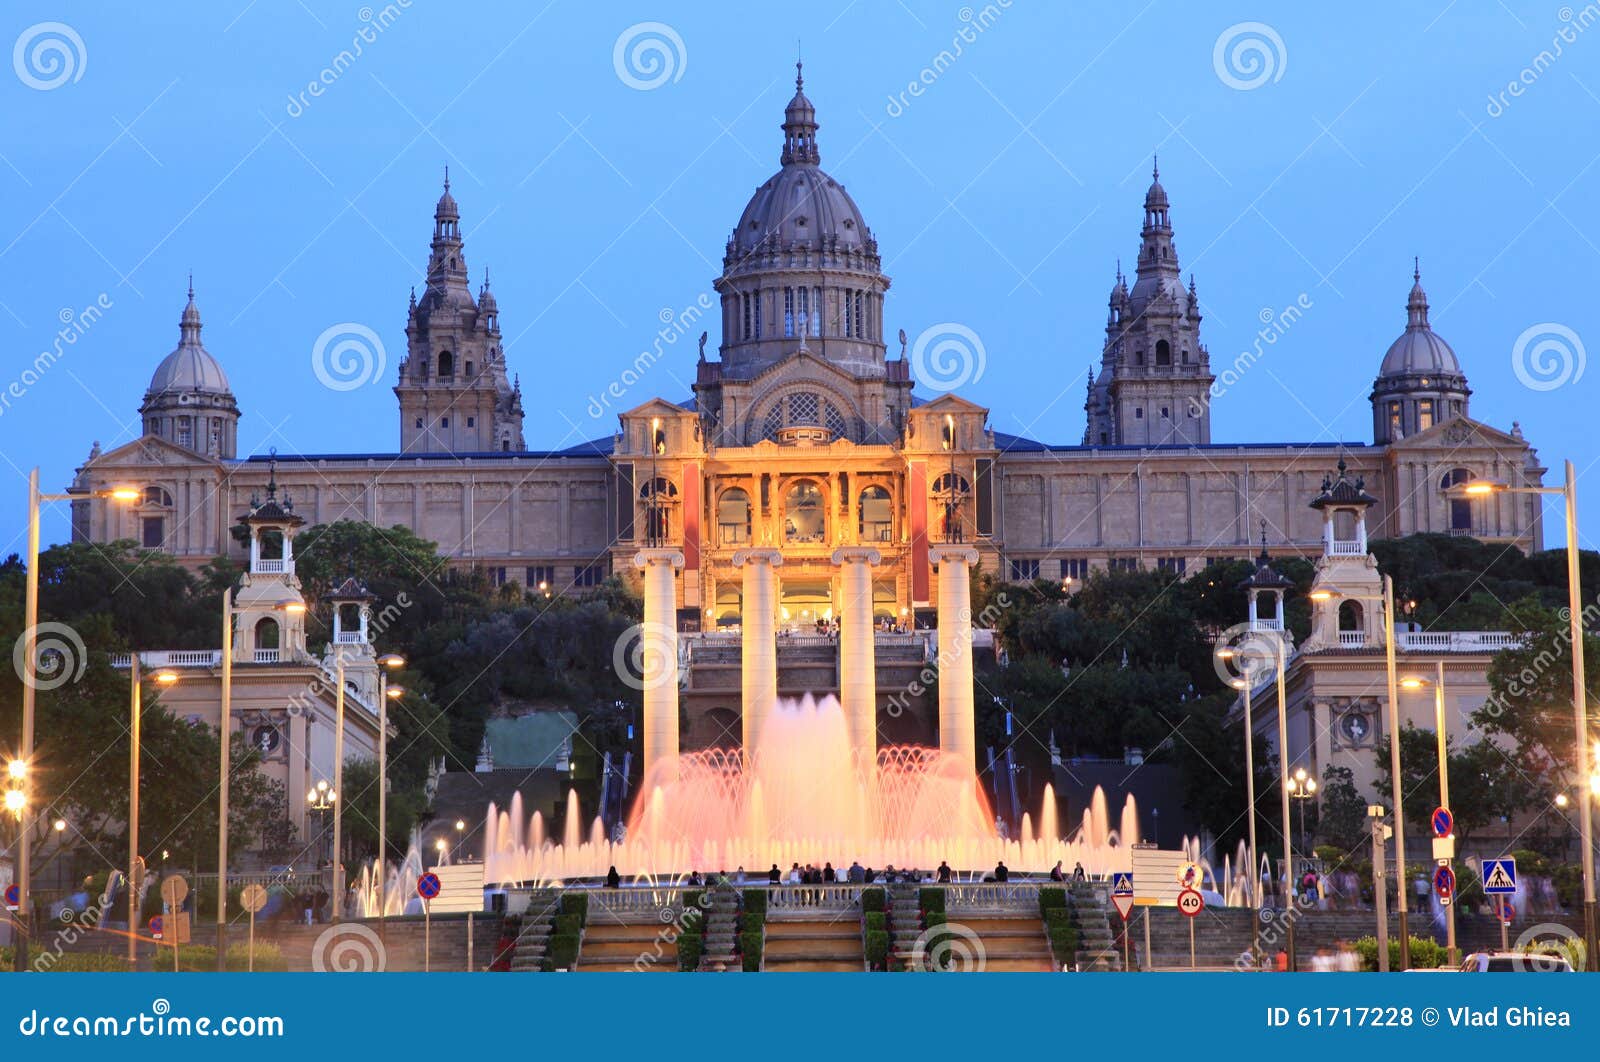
x=601 y=154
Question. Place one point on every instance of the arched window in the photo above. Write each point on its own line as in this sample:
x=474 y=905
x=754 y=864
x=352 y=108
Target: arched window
x=267 y=633
x=805 y=515
x=157 y=496
x=1350 y=616
x=1460 y=508
x=447 y=365
x=876 y=523
x=733 y=517
x=659 y=496
x=1163 y=352
x=803 y=409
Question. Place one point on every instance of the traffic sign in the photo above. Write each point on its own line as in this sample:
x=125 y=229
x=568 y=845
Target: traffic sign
x=1500 y=876
x=252 y=898
x=428 y=886
x=1444 y=823
x=1122 y=883
x=155 y=927
x=1123 y=902
x=174 y=890
x=13 y=897
x=1508 y=912
x=1189 y=875
x=1191 y=902
x=1444 y=883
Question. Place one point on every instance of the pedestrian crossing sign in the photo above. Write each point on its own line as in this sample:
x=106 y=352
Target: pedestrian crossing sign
x=1121 y=883
x=1499 y=876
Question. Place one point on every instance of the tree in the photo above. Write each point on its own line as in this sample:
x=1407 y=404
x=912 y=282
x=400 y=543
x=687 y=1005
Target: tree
x=1485 y=783
x=1530 y=699
x=1342 y=817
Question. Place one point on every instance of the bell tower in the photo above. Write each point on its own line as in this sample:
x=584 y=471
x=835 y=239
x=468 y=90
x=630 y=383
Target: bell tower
x=269 y=609
x=1347 y=583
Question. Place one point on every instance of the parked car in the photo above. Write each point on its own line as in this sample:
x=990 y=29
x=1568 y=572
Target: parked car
x=1515 y=962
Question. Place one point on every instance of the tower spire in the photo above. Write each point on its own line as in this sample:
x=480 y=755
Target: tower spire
x=800 y=125
x=1417 y=301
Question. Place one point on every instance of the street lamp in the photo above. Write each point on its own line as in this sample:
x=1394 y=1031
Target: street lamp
x=1482 y=488
x=30 y=624
x=1415 y=682
x=321 y=798
x=1246 y=684
x=164 y=677
x=441 y=847
x=1302 y=787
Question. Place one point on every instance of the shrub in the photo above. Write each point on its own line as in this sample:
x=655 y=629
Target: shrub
x=933 y=919
x=203 y=957
x=69 y=962
x=1064 y=942
x=568 y=925
x=931 y=900
x=576 y=903
x=750 y=945
x=690 y=947
x=693 y=898
x=1426 y=954
x=1057 y=918
x=562 y=952
x=876 y=922
x=755 y=903
x=1052 y=897
x=877 y=949
x=873 y=899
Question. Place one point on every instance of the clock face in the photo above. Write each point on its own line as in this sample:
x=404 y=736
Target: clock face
x=1356 y=728
x=266 y=739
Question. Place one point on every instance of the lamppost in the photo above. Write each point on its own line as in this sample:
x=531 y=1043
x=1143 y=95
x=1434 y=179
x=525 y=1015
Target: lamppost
x=322 y=798
x=1247 y=684
x=1302 y=788
x=135 y=867
x=1412 y=682
x=30 y=633
x=1396 y=789
x=1580 y=707
x=443 y=848
x=386 y=693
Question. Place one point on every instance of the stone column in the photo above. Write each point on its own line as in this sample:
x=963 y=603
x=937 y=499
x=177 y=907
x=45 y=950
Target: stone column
x=659 y=659
x=758 y=668
x=957 y=737
x=858 y=678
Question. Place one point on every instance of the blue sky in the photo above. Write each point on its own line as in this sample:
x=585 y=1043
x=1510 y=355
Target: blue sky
x=1001 y=196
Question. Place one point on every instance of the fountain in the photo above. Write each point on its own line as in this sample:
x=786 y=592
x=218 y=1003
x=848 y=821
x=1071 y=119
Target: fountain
x=801 y=797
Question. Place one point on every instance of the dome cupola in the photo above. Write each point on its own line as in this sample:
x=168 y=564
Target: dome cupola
x=1420 y=382
x=188 y=401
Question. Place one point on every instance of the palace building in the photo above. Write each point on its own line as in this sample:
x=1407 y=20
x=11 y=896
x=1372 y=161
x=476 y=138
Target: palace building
x=806 y=433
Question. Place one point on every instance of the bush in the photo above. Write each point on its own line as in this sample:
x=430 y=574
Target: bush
x=1064 y=942
x=1426 y=954
x=873 y=899
x=931 y=900
x=68 y=962
x=1051 y=897
x=877 y=949
x=693 y=898
x=876 y=922
x=568 y=925
x=690 y=947
x=201 y=958
x=933 y=919
x=750 y=945
x=576 y=903
x=562 y=952
x=755 y=903
x=1058 y=918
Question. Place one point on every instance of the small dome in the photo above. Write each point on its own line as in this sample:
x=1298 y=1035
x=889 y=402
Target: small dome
x=190 y=367
x=1420 y=351
x=801 y=204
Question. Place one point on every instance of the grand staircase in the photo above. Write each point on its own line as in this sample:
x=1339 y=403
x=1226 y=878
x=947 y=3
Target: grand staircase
x=1097 y=941
x=537 y=922
x=721 y=932
x=1005 y=943
x=818 y=942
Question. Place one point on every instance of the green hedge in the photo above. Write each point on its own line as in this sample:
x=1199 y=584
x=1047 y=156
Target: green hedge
x=933 y=919
x=750 y=945
x=568 y=925
x=690 y=947
x=931 y=900
x=755 y=902
x=562 y=951
x=693 y=898
x=873 y=899
x=1057 y=917
x=876 y=922
x=1426 y=954
x=1052 y=897
x=877 y=949
x=576 y=903
x=1064 y=942
x=71 y=962
x=203 y=958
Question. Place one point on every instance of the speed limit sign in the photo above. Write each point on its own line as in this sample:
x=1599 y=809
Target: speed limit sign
x=1191 y=902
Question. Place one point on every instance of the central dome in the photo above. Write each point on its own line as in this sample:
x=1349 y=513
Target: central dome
x=190 y=367
x=800 y=204
x=1420 y=351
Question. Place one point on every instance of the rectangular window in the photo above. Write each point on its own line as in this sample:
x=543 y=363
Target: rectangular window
x=589 y=575
x=1075 y=568
x=861 y=329
x=849 y=314
x=1024 y=571
x=419 y=422
x=744 y=302
x=185 y=432
x=1165 y=414
x=1138 y=413
x=816 y=311
x=1123 y=564
x=497 y=576
x=985 y=496
x=1394 y=420
x=1425 y=414
x=154 y=532
x=444 y=422
x=757 y=298
x=471 y=421
x=788 y=311
x=1176 y=565
x=541 y=577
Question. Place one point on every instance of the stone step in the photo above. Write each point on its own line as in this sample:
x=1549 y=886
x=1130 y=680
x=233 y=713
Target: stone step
x=811 y=966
